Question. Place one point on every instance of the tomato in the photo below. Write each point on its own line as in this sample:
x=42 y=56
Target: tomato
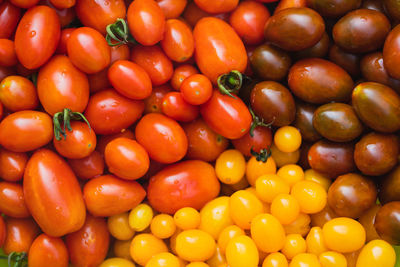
x=6 y=71
x=12 y=165
x=117 y=262
x=227 y=234
x=244 y=206
x=218 y=48
x=226 y=115
x=256 y=168
x=146 y=246
x=196 y=89
x=120 y=52
x=283 y=4
x=181 y=73
x=269 y=186
x=261 y=139
x=146 y=22
x=287 y=139
x=140 y=217
x=18 y=93
x=305 y=259
x=178 y=43
x=285 y=208
x=172 y=8
x=88 y=50
x=48 y=250
x=99 y=81
x=230 y=166
x=103 y=140
x=25 y=131
x=175 y=107
x=8 y=57
x=187 y=218
x=154 y=102
x=36 y=37
x=153 y=60
x=315 y=241
x=12 y=201
x=162 y=137
x=242 y=251
x=118 y=226
x=333 y=259
x=66 y=15
x=88 y=167
x=62 y=4
x=195 y=245
x=99 y=14
x=108 y=112
x=62 y=44
x=126 y=158
x=89 y=245
x=9 y=18
x=129 y=79
x=189 y=183
x=108 y=195
x=163 y=226
x=24 y=3
x=215 y=216
x=214 y=7
x=275 y=259
x=3 y=231
x=377 y=253
x=121 y=249
x=20 y=235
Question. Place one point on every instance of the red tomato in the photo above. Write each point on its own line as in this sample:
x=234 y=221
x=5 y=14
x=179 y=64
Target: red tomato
x=24 y=3
x=99 y=81
x=18 y=93
x=62 y=44
x=108 y=112
x=37 y=36
x=283 y=4
x=193 y=14
x=98 y=14
x=153 y=104
x=262 y=138
x=27 y=130
x=175 y=107
x=3 y=232
x=108 y=195
x=8 y=57
x=88 y=50
x=20 y=235
x=12 y=165
x=162 y=137
x=47 y=250
x=153 y=60
x=9 y=18
x=196 y=89
x=66 y=15
x=226 y=115
x=126 y=158
x=189 y=183
x=218 y=48
x=53 y=194
x=146 y=21
x=103 y=140
x=215 y=7
x=12 y=202
x=120 y=52
x=62 y=4
x=178 y=43
x=89 y=246
x=129 y=79
x=89 y=167
x=180 y=74
x=172 y=8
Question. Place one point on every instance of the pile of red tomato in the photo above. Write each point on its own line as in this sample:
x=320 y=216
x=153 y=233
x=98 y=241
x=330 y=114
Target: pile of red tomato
x=220 y=133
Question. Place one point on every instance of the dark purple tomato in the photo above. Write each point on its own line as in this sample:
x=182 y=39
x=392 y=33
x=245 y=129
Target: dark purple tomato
x=320 y=49
x=348 y=61
x=333 y=8
x=304 y=121
x=374 y=5
x=387 y=222
x=390 y=186
x=393 y=8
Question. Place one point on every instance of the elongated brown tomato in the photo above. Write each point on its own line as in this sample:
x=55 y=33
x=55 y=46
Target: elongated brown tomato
x=26 y=130
x=391 y=58
x=53 y=194
x=218 y=48
x=47 y=250
x=189 y=183
x=20 y=234
x=36 y=37
x=178 y=43
x=12 y=201
x=61 y=85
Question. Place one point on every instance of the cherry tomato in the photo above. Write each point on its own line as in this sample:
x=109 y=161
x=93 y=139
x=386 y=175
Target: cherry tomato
x=99 y=81
x=62 y=4
x=196 y=89
x=66 y=15
x=146 y=246
x=117 y=262
x=9 y=18
x=20 y=235
x=269 y=186
x=261 y=139
x=88 y=167
x=315 y=241
x=189 y=183
x=153 y=104
x=192 y=14
x=187 y=218
x=287 y=139
x=215 y=216
x=214 y=7
x=3 y=231
x=172 y=8
x=256 y=168
x=195 y=245
x=311 y=196
x=230 y=166
x=227 y=234
x=24 y=3
x=8 y=58
x=164 y=259
x=275 y=259
x=48 y=250
x=118 y=226
x=300 y=226
x=181 y=73
x=305 y=259
x=332 y=259
x=12 y=165
x=120 y=52
x=178 y=43
x=12 y=201
x=140 y=217
x=319 y=178
x=108 y=195
x=89 y=245
x=175 y=107
x=285 y=208
x=283 y=4
x=377 y=253
x=18 y=93
x=242 y=251
x=103 y=140
x=4 y=72
x=244 y=206
x=36 y=37
x=163 y=226
x=291 y=174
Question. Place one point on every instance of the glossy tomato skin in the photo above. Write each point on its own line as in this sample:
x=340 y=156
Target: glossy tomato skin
x=8 y=58
x=12 y=201
x=108 y=112
x=98 y=14
x=37 y=36
x=18 y=93
x=283 y=4
x=88 y=167
x=53 y=194
x=62 y=44
x=189 y=183
x=20 y=234
x=178 y=43
x=218 y=48
x=390 y=57
x=61 y=85
x=154 y=102
x=9 y=18
x=333 y=9
x=24 y=3
x=226 y=115
x=262 y=138
x=48 y=250
x=26 y=130
x=12 y=165
x=172 y=8
x=62 y=4
x=3 y=231
x=146 y=22
x=304 y=121
x=175 y=107
x=103 y=140
x=214 y=7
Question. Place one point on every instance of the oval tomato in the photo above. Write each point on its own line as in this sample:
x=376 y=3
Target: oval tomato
x=175 y=107
x=24 y=3
x=9 y=18
x=37 y=35
x=153 y=104
x=189 y=183
x=20 y=235
x=12 y=201
x=181 y=73
x=18 y=93
x=48 y=250
x=215 y=7
x=261 y=139
x=62 y=4
x=8 y=57
x=172 y=8
x=178 y=43
x=12 y=165
x=53 y=194
x=88 y=167
x=62 y=44
x=103 y=140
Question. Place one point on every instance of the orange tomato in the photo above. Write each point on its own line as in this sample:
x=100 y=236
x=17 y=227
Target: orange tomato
x=178 y=43
x=20 y=235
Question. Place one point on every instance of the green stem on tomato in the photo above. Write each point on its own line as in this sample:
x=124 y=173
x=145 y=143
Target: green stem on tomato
x=230 y=83
x=66 y=116
x=118 y=33
x=17 y=259
x=257 y=122
x=263 y=155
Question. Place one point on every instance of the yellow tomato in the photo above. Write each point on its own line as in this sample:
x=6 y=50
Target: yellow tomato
x=267 y=206
x=300 y=226
x=319 y=178
x=172 y=240
x=283 y=158
x=343 y=235
x=315 y=241
x=255 y=169
x=242 y=251
x=187 y=218
x=275 y=259
x=377 y=253
x=268 y=233
x=195 y=245
x=164 y=259
x=311 y=196
x=140 y=217
x=122 y=249
x=294 y=245
x=333 y=259
x=218 y=258
x=269 y=186
x=227 y=234
x=287 y=139
x=305 y=260
x=198 y=264
x=230 y=166
x=291 y=174
x=163 y=226
x=118 y=226
x=285 y=208
x=117 y=262
x=145 y=246
x=215 y=216
x=244 y=206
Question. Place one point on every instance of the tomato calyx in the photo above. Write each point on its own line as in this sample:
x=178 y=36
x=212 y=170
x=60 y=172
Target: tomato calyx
x=257 y=122
x=118 y=33
x=16 y=259
x=66 y=116
x=263 y=155
x=230 y=83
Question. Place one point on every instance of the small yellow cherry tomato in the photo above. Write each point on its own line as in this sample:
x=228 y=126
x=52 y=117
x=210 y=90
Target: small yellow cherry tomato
x=140 y=217
x=255 y=169
x=294 y=245
x=315 y=241
x=333 y=259
x=163 y=226
x=117 y=262
x=243 y=207
x=275 y=259
x=377 y=253
x=242 y=251
x=122 y=249
x=230 y=166
x=268 y=233
x=227 y=234
x=145 y=246
x=269 y=186
x=118 y=226
x=305 y=260
x=283 y=158
x=172 y=240
x=164 y=259
x=215 y=216
x=195 y=245
x=285 y=208
x=218 y=258
x=198 y=264
x=287 y=139
x=187 y=218
x=291 y=174
x=319 y=178
x=343 y=235
x=300 y=226
x=311 y=196
x=267 y=206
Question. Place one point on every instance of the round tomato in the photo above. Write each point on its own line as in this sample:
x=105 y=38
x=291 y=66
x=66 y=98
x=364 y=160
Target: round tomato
x=12 y=165
x=196 y=89
x=88 y=167
x=8 y=57
x=48 y=250
x=9 y=18
x=12 y=201
x=20 y=235
x=175 y=107
x=18 y=93
x=178 y=43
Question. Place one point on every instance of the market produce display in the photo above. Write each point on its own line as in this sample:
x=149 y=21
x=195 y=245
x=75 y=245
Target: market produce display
x=219 y=133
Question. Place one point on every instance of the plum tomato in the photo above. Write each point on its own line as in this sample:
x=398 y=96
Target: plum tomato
x=175 y=107
x=48 y=250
